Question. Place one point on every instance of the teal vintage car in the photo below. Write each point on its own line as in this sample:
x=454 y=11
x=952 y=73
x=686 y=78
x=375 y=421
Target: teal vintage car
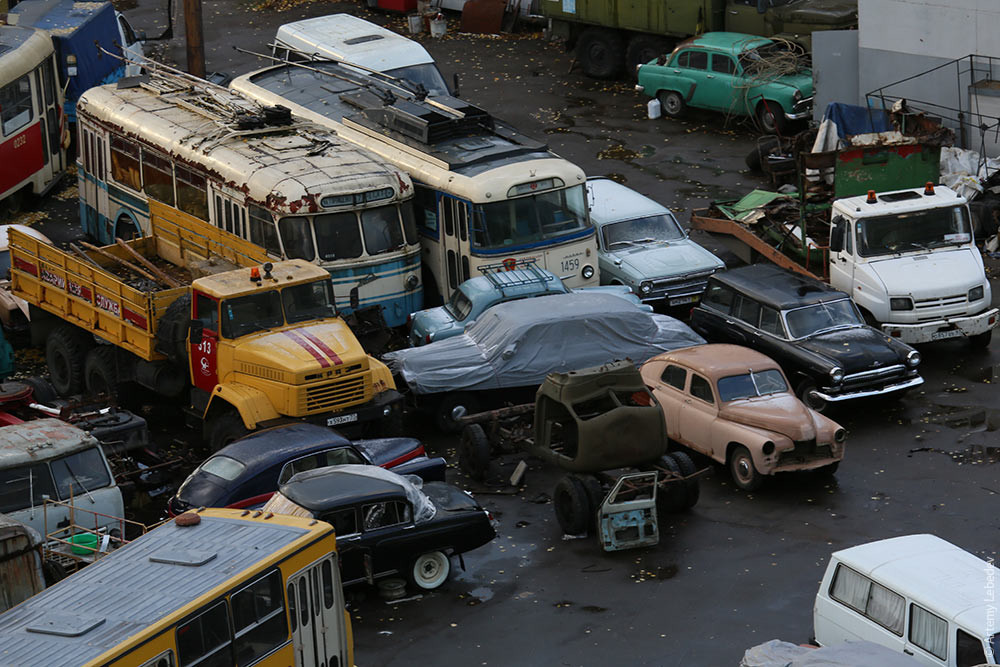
x=733 y=73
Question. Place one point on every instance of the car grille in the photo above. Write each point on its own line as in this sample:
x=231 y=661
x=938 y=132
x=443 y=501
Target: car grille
x=805 y=450
x=340 y=393
x=874 y=377
x=677 y=287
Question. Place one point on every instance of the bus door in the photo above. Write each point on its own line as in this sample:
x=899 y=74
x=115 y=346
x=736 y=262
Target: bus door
x=51 y=117
x=454 y=242
x=316 y=612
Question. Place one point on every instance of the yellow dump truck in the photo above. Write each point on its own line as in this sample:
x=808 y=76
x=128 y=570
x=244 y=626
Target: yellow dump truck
x=254 y=345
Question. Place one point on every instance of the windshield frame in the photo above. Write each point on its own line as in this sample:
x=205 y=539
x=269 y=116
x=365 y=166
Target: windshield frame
x=793 y=334
x=489 y=217
x=864 y=249
x=668 y=218
x=452 y=308
x=754 y=376
x=275 y=295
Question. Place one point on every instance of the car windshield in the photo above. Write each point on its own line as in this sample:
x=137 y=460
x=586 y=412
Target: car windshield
x=661 y=227
x=78 y=473
x=426 y=74
x=251 y=313
x=546 y=216
x=24 y=486
x=919 y=230
x=224 y=467
x=735 y=387
x=809 y=320
x=309 y=301
x=459 y=306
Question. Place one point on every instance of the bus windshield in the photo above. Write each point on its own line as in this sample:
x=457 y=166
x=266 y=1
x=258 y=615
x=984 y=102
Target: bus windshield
x=544 y=216
x=919 y=230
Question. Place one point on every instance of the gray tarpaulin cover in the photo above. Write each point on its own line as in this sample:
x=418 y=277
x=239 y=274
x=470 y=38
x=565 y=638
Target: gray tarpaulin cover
x=776 y=653
x=518 y=343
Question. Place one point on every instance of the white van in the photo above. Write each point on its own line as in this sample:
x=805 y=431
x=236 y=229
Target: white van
x=917 y=594
x=48 y=458
x=349 y=38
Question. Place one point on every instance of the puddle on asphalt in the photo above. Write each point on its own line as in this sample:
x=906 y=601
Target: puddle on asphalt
x=988 y=375
x=967 y=418
x=481 y=594
x=618 y=152
x=971 y=455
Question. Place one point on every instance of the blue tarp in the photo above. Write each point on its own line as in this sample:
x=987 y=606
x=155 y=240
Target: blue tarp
x=851 y=119
x=75 y=27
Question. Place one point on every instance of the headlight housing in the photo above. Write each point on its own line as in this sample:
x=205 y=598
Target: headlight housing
x=646 y=287
x=797 y=96
x=901 y=303
x=977 y=293
x=840 y=435
x=587 y=272
x=913 y=359
x=836 y=375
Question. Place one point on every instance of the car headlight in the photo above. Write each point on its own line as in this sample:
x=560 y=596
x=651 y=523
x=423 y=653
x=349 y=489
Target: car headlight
x=768 y=448
x=646 y=287
x=901 y=303
x=977 y=293
x=836 y=375
x=412 y=281
x=587 y=272
x=797 y=96
x=840 y=435
x=913 y=359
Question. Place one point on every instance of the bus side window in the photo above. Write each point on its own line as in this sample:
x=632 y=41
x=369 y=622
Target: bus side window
x=425 y=209
x=192 y=195
x=125 y=163
x=463 y=220
x=218 y=211
x=165 y=659
x=259 y=619
x=262 y=231
x=15 y=105
x=243 y=220
x=205 y=639
x=229 y=217
x=157 y=177
x=88 y=152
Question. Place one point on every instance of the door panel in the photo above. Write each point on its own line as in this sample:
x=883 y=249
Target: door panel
x=318 y=630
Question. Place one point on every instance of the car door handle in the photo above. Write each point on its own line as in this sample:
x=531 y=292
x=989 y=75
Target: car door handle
x=907 y=651
x=709 y=76
x=730 y=322
x=687 y=400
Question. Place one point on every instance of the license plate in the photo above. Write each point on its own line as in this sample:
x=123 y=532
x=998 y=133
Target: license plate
x=941 y=335
x=342 y=419
x=682 y=300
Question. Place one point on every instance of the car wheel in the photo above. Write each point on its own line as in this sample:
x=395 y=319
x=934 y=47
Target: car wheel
x=601 y=53
x=430 y=570
x=672 y=495
x=64 y=355
x=981 y=341
x=224 y=429
x=671 y=103
x=444 y=415
x=572 y=506
x=829 y=470
x=771 y=117
x=743 y=471
x=805 y=394
x=474 y=451
x=692 y=487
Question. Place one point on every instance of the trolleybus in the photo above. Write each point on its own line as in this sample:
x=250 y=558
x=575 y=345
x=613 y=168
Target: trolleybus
x=484 y=192
x=216 y=588
x=220 y=162
x=32 y=150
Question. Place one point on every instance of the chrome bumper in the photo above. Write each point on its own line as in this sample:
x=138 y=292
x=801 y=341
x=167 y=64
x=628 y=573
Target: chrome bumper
x=864 y=393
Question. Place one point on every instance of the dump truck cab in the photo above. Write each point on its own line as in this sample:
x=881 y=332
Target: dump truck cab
x=267 y=342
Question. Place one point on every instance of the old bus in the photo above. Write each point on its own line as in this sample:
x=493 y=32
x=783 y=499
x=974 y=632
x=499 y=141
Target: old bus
x=484 y=192
x=217 y=588
x=32 y=151
x=289 y=189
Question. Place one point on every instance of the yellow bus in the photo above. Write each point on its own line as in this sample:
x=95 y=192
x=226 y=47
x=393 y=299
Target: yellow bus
x=236 y=588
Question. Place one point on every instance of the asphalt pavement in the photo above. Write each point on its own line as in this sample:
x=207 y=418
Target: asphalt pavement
x=736 y=570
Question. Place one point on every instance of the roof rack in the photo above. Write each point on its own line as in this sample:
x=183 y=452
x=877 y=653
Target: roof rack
x=500 y=275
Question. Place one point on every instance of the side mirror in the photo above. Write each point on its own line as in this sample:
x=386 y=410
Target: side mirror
x=142 y=36
x=454 y=85
x=507 y=354
x=837 y=230
x=197 y=329
x=762 y=6
x=354 y=298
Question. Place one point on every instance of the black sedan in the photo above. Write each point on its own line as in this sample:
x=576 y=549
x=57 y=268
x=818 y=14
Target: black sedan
x=247 y=472
x=815 y=332
x=385 y=523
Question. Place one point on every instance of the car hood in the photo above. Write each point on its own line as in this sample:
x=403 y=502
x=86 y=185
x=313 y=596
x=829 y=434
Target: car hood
x=657 y=260
x=780 y=413
x=382 y=451
x=301 y=350
x=802 y=81
x=819 y=12
x=928 y=276
x=856 y=349
x=201 y=490
x=436 y=320
x=449 y=498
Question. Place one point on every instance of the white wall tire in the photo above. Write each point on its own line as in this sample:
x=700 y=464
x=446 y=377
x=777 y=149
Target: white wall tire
x=430 y=570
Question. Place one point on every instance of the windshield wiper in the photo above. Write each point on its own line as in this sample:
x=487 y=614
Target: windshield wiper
x=77 y=480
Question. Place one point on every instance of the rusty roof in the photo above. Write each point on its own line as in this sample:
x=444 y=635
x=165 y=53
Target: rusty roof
x=41 y=440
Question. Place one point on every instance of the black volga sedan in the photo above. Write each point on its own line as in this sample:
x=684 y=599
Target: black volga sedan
x=247 y=472
x=815 y=332
x=386 y=523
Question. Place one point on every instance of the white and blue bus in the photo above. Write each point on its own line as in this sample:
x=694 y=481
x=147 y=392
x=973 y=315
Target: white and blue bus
x=224 y=164
x=485 y=194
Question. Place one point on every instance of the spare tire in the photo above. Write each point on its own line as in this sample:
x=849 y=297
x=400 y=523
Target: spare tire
x=172 y=331
x=572 y=505
x=755 y=158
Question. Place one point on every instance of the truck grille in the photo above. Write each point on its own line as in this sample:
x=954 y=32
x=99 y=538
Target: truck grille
x=875 y=377
x=335 y=395
x=928 y=309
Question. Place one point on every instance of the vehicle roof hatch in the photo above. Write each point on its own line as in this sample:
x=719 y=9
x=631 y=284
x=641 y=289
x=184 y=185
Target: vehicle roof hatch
x=430 y=121
x=65 y=625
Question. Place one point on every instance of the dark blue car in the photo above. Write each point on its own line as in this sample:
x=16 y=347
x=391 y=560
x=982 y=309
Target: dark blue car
x=247 y=472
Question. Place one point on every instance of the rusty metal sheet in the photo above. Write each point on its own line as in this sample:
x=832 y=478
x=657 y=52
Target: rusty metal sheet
x=483 y=16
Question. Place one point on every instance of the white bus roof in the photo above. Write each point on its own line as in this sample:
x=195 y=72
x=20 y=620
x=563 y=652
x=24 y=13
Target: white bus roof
x=932 y=572
x=40 y=440
x=102 y=605
x=289 y=166
x=480 y=165
x=21 y=49
x=353 y=39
